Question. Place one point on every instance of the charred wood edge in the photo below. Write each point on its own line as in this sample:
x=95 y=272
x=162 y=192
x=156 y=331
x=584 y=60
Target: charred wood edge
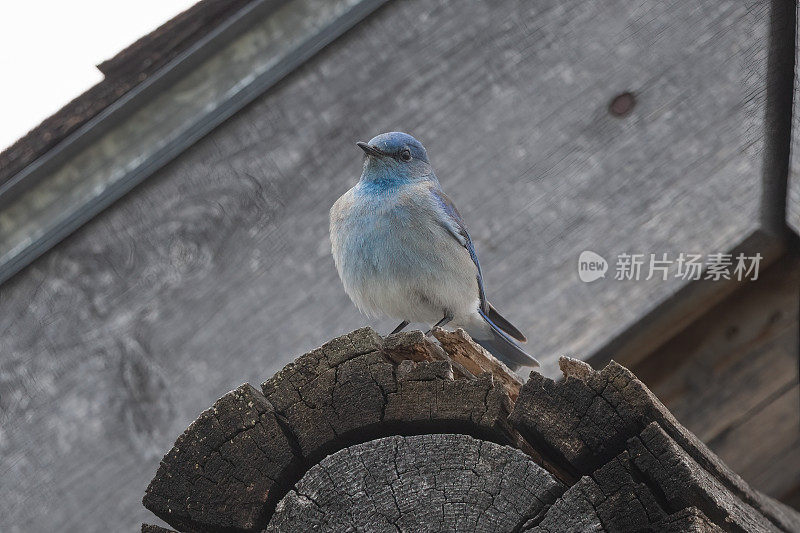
x=158 y=119
x=627 y=462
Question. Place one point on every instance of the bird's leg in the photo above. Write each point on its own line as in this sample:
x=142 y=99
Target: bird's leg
x=447 y=318
x=400 y=328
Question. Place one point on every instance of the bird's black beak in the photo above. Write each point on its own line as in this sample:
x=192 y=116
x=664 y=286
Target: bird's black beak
x=369 y=150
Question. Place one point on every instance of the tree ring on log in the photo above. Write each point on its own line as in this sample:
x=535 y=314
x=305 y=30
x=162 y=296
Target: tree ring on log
x=440 y=482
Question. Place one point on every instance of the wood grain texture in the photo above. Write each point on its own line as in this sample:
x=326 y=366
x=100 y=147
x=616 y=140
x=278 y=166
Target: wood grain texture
x=608 y=500
x=418 y=483
x=588 y=421
x=233 y=464
x=684 y=483
x=235 y=451
x=217 y=269
x=350 y=390
x=477 y=360
x=689 y=520
x=140 y=133
x=731 y=376
x=637 y=468
x=616 y=498
x=772 y=429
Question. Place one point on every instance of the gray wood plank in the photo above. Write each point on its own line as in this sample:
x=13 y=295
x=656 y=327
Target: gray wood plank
x=217 y=269
x=731 y=379
x=153 y=123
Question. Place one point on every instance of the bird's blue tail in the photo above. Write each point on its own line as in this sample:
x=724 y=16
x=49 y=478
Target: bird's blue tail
x=502 y=346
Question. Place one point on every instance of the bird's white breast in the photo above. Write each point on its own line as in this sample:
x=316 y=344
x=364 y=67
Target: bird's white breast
x=396 y=258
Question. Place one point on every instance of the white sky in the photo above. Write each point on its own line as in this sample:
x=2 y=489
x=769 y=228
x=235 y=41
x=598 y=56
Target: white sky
x=49 y=49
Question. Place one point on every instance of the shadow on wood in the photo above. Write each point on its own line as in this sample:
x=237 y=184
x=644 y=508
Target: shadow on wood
x=402 y=434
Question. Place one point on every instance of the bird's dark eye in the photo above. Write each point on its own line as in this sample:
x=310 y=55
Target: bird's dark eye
x=405 y=155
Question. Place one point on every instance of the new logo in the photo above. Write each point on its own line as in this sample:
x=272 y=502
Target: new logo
x=591 y=266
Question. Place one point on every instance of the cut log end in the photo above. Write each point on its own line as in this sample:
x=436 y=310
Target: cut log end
x=389 y=483
x=402 y=433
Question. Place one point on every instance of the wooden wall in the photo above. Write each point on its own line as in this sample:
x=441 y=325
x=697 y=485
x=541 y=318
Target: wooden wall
x=732 y=379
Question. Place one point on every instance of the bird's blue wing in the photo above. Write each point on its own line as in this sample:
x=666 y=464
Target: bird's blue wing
x=455 y=224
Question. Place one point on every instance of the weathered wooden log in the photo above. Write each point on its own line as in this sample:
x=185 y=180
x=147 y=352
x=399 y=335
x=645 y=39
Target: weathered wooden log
x=403 y=434
x=235 y=451
x=349 y=391
x=590 y=417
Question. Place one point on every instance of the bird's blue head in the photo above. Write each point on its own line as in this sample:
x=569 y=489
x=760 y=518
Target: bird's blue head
x=393 y=159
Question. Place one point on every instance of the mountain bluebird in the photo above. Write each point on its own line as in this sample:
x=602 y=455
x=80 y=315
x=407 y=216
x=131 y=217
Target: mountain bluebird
x=401 y=249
